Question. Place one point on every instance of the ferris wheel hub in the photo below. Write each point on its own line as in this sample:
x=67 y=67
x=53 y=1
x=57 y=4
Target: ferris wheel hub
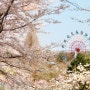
x=77 y=49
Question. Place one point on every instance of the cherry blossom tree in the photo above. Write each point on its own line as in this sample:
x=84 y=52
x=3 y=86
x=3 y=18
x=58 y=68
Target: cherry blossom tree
x=20 y=20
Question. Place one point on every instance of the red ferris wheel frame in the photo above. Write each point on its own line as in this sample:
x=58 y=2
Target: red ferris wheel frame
x=78 y=46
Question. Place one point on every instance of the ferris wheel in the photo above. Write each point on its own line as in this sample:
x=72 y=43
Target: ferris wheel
x=76 y=42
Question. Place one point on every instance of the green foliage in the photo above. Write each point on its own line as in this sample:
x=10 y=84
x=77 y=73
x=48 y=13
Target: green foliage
x=61 y=56
x=80 y=59
x=8 y=54
x=45 y=75
x=84 y=86
x=1 y=87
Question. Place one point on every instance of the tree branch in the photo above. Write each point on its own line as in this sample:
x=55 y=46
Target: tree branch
x=8 y=9
x=3 y=15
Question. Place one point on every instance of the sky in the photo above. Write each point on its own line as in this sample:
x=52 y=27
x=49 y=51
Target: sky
x=59 y=32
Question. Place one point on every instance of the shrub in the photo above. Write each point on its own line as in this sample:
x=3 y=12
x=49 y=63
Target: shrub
x=61 y=56
x=80 y=59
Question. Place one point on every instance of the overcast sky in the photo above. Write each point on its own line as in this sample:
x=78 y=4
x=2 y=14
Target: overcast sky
x=58 y=32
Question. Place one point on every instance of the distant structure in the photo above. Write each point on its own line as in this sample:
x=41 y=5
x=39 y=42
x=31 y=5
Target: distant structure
x=75 y=43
